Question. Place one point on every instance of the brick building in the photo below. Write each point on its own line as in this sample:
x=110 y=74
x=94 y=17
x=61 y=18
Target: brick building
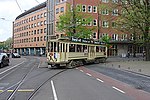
x=30 y=27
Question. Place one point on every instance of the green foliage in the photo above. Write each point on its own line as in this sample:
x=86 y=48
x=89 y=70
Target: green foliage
x=106 y=39
x=135 y=18
x=6 y=44
x=73 y=23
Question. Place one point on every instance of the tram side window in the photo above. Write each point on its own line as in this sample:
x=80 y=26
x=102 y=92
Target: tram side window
x=55 y=47
x=63 y=47
x=66 y=47
x=85 y=48
x=102 y=49
x=97 y=48
x=51 y=47
x=71 y=48
x=79 y=48
x=60 y=47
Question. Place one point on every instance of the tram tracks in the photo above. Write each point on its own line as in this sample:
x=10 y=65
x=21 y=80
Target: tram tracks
x=44 y=82
x=17 y=84
x=12 y=91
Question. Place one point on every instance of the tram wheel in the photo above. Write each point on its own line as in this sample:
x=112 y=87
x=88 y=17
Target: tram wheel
x=72 y=64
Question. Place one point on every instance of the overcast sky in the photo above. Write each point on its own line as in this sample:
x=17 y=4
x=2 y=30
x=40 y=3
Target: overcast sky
x=9 y=10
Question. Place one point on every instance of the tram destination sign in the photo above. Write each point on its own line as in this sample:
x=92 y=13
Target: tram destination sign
x=89 y=41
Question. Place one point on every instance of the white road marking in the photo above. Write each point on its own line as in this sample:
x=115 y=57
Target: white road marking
x=21 y=90
x=99 y=80
x=54 y=91
x=118 y=89
x=88 y=74
x=81 y=70
x=12 y=67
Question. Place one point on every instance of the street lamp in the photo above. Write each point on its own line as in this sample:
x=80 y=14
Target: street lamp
x=4 y=19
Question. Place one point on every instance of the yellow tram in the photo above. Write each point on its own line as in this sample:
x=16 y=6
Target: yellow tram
x=72 y=52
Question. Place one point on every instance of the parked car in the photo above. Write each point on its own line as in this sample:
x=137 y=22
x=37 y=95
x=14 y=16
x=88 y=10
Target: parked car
x=4 y=60
x=15 y=55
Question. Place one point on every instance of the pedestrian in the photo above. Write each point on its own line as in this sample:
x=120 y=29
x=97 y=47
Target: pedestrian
x=143 y=54
x=128 y=54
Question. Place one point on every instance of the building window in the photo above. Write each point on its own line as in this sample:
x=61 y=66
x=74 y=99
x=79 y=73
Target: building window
x=41 y=23
x=105 y=24
x=34 y=24
x=38 y=31
x=34 y=39
x=37 y=38
x=105 y=12
x=115 y=12
x=114 y=36
x=79 y=8
x=41 y=15
x=83 y=22
x=124 y=37
x=114 y=25
x=95 y=22
x=57 y=10
x=41 y=38
x=34 y=31
x=44 y=30
x=105 y=1
x=44 y=38
x=83 y=8
x=89 y=24
x=38 y=24
x=89 y=9
x=62 y=9
x=41 y=31
x=45 y=14
x=94 y=35
x=45 y=22
x=38 y=16
x=34 y=17
x=114 y=1
x=95 y=9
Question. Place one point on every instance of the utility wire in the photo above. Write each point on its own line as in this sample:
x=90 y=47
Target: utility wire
x=18 y=5
x=37 y=1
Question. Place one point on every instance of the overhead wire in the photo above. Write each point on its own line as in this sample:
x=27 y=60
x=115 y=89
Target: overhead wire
x=37 y=1
x=18 y=5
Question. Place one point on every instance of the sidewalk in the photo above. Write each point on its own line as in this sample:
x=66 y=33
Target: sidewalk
x=136 y=65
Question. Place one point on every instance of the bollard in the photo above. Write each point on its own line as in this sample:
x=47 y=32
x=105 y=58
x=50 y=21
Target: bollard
x=128 y=67
x=118 y=66
x=112 y=65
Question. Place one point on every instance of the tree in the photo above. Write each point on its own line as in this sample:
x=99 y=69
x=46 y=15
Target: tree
x=6 y=45
x=73 y=23
x=106 y=39
x=136 y=16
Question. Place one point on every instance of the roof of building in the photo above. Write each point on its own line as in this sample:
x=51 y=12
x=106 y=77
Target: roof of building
x=42 y=5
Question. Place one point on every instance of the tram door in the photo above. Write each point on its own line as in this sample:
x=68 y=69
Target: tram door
x=63 y=51
x=91 y=52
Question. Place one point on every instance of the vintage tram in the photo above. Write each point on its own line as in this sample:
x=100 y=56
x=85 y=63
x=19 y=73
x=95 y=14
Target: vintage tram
x=73 y=52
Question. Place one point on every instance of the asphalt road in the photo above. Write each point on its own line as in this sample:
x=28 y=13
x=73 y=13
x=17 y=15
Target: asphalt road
x=135 y=80
x=75 y=85
x=83 y=83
